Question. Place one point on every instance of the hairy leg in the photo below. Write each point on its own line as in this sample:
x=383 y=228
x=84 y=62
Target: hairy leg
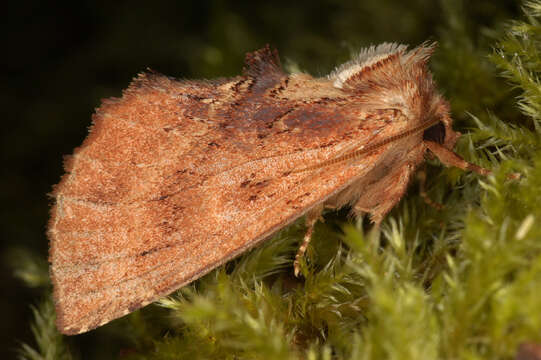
x=311 y=218
x=383 y=195
x=450 y=158
x=421 y=175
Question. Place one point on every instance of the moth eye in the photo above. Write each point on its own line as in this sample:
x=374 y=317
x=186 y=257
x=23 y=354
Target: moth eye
x=435 y=133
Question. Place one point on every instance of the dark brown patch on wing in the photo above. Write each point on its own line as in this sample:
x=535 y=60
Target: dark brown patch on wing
x=264 y=67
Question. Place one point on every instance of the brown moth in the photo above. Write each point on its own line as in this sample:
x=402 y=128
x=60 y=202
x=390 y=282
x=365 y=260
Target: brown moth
x=178 y=177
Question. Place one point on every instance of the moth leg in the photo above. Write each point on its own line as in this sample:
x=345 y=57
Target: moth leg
x=312 y=217
x=450 y=158
x=379 y=198
x=421 y=175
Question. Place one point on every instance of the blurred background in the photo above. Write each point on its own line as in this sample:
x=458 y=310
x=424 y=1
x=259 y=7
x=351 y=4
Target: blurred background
x=59 y=61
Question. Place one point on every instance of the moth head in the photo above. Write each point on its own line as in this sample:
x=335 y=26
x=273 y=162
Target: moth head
x=441 y=132
x=389 y=76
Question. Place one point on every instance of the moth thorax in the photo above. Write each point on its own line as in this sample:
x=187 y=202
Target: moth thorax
x=365 y=61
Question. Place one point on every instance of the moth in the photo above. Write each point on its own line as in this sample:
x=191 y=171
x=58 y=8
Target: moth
x=177 y=177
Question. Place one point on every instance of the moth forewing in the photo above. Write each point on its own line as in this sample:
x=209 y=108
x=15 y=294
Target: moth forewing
x=177 y=177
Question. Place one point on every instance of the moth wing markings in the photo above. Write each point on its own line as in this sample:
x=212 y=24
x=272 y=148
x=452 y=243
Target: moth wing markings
x=83 y=259
x=104 y=182
x=76 y=313
x=264 y=68
x=132 y=282
x=75 y=208
x=145 y=286
x=130 y=290
x=136 y=288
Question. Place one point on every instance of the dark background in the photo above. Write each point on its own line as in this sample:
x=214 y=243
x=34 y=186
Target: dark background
x=59 y=61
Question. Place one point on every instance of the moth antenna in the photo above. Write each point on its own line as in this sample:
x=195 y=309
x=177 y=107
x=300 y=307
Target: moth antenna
x=356 y=154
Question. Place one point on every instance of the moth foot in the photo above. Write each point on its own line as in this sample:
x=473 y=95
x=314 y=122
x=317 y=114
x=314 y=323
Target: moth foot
x=430 y=202
x=421 y=175
x=311 y=218
x=302 y=250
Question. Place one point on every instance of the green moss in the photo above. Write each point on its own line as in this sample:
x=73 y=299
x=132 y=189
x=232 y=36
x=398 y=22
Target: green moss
x=50 y=343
